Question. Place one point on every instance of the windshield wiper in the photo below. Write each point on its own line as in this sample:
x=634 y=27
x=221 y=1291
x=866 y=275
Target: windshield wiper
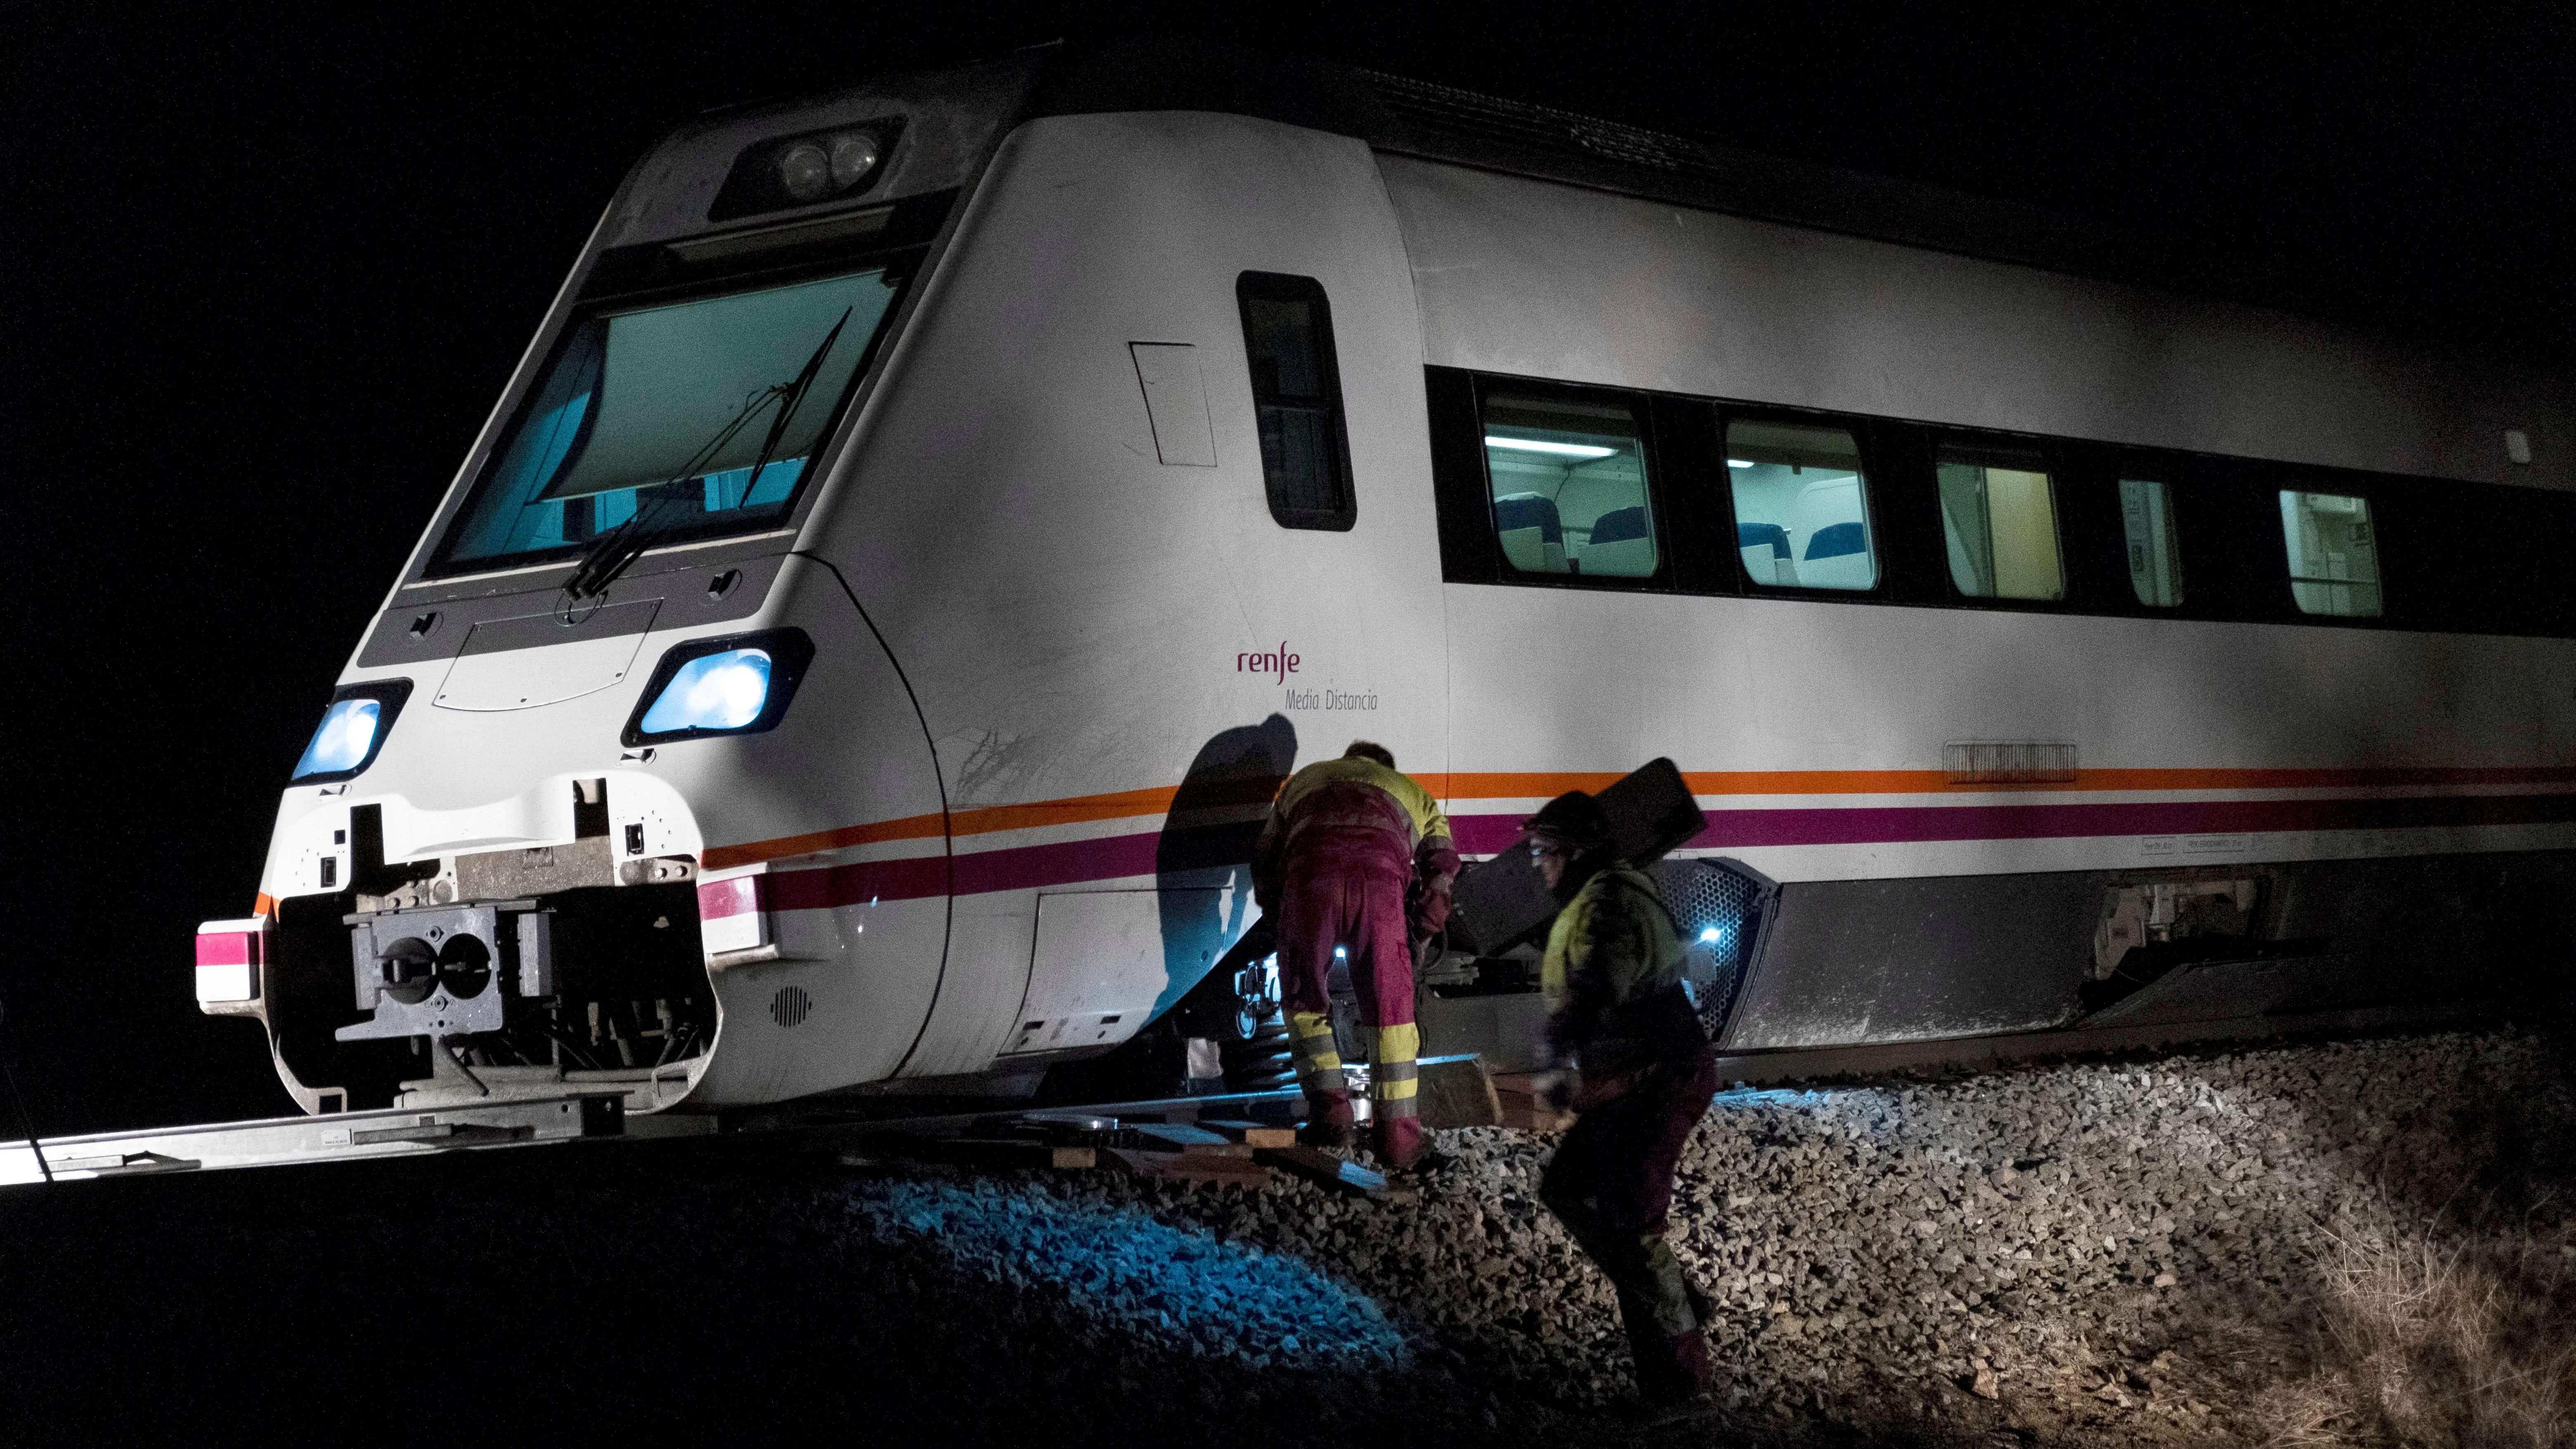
x=610 y=554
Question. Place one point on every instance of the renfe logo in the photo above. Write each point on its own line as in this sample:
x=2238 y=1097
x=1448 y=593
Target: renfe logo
x=1278 y=663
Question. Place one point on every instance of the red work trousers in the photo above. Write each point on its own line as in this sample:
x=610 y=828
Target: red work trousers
x=1358 y=907
x=1352 y=900
x=1611 y=1184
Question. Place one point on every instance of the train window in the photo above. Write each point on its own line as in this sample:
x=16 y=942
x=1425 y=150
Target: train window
x=2155 y=564
x=1801 y=505
x=1569 y=487
x=1999 y=514
x=1297 y=400
x=2334 y=556
x=659 y=415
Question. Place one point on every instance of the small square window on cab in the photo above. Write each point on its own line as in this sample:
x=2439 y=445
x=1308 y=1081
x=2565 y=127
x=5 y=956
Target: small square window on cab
x=1297 y=400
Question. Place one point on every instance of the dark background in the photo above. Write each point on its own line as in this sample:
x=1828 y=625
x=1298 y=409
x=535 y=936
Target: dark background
x=266 y=272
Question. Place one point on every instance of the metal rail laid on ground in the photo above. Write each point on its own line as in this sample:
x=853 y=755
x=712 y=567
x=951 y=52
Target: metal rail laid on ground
x=587 y=1117
x=340 y=1137
x=826 y=1123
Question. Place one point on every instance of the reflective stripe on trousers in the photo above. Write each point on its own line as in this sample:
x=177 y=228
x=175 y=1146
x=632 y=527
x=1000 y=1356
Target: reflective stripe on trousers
x=1393 y=1079
x=1319 y=1059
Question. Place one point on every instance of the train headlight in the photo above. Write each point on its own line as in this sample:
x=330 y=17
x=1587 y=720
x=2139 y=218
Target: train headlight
x=347 y=735
x=806 y=169
x=712 y=692
x=736 y=685
x=854 y=155
x=353 y=729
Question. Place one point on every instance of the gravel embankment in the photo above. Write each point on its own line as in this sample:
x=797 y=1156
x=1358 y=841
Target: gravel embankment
x=2082 y=1254
x=2094 y=1251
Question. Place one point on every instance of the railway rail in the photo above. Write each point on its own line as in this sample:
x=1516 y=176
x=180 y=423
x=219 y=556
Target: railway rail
x=840 y=1124
x=572 y=1118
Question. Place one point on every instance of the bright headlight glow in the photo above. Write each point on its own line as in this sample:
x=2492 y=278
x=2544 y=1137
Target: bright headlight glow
x=712 y=692
x=348 y=731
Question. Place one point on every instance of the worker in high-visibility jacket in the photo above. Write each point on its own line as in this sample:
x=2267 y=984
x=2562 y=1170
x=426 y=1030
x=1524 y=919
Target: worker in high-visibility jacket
x=1355 y=857
x=1630 y=1058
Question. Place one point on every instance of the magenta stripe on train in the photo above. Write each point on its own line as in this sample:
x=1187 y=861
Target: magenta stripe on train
x=1127 y=856
x=1877 y=825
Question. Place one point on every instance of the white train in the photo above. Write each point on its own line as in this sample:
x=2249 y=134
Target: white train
x=934 y=516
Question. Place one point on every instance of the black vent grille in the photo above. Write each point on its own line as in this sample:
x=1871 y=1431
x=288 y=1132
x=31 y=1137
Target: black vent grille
x=790 y=1006
x=1720 y=908
x=1468 y=115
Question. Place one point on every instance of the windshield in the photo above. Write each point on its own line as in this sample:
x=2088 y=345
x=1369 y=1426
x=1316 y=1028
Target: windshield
x=648 y=409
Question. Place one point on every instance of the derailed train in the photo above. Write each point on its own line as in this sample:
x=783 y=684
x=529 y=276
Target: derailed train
x=934 y=516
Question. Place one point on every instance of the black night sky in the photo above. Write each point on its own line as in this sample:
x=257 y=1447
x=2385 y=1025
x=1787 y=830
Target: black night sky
x=266 y=271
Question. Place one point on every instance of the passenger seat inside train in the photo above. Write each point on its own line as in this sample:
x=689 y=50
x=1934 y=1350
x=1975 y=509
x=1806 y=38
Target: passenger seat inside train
x=1801 y=505
x=1569 y=487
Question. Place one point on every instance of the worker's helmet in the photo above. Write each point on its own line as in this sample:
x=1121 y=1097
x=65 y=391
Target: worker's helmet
x=1574 y=818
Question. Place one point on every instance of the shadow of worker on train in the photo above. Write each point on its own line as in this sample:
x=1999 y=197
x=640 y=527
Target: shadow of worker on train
x=1355 y=859
x=1630 y=1058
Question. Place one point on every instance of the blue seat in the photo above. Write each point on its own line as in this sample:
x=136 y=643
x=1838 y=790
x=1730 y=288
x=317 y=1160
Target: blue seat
x=1837 y=540
x=1756 y=535
x=1619 y=525
x=1529 y=510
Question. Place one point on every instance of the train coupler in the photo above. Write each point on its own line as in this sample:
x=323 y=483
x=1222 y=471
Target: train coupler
x=447 y=971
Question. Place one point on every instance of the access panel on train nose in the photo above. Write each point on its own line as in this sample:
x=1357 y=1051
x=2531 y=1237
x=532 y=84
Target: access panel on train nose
x=541 y=659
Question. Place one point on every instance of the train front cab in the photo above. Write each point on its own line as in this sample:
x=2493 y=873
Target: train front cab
x=535 y=845
x=509 y=901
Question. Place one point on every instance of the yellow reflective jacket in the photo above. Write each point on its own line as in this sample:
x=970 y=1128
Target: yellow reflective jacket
x=1417 y=803
x=1612 y=974
x=1356 y=799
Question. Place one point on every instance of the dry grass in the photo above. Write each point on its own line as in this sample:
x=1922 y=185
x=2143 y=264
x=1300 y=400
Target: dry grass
x=2311 y=1412
x=2470 y=1345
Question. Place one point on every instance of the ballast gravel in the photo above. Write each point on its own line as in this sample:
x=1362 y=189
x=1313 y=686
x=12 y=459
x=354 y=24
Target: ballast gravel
x=2088 y=1253
x=2092 y=1252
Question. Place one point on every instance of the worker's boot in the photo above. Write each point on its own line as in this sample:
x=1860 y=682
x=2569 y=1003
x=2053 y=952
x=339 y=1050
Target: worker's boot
x=1672 y=1366
x=1673 y=1370
x=1329 y=1120
x=1399 y=1140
